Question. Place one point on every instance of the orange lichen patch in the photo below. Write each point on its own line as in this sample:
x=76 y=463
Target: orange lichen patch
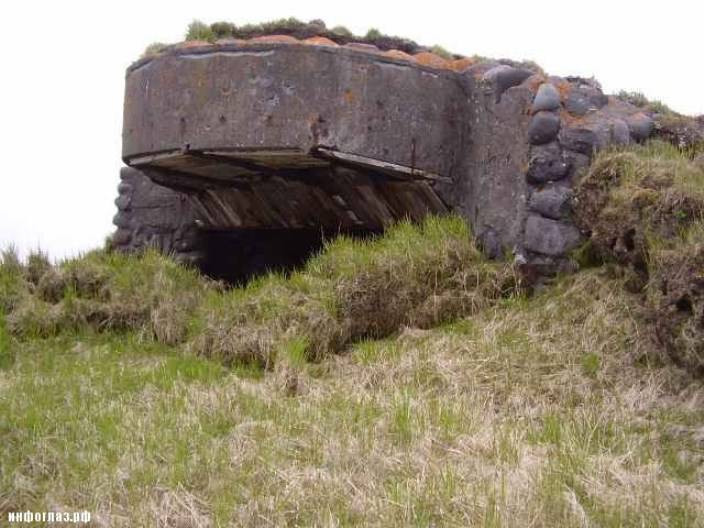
x=192 y=44
x=534 y=82
x=564 y=88
x=571 y=120
x=349 y=96
x=398 y=54
x=274 y=39
x=460 y=65
x=427 y=58
x=321 y=41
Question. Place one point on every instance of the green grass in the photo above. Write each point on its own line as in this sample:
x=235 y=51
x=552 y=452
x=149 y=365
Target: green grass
x=546 y=410
x=354 y=290
x=198 y=30
x=202 y=32
x=11 y=279
x=102 y=291
x=442 y=52
x=644 y=207
x=640 y=100
x=493 y=421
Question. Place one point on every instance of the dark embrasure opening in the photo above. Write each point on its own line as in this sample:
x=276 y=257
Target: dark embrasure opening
x=238 y=256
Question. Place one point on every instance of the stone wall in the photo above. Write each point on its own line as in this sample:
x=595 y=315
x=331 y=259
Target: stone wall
x=149 y=215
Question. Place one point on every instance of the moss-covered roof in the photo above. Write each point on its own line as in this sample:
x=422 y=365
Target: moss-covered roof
x=315 y=32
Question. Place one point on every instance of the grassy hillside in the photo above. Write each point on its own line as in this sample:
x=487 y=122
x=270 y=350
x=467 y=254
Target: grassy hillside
x=644 y=208
x=396 y=382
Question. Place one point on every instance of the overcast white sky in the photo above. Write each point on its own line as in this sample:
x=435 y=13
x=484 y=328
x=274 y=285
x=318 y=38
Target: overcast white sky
x=63 y=68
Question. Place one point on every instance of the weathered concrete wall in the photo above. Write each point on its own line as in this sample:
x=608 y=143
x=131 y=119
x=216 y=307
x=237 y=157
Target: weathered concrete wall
x=293 y=136
x=489 y=189
x=296 y=98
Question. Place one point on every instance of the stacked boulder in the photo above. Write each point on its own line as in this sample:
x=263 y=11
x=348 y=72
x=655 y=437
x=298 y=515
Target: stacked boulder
x=153 y=216
x=571 y=120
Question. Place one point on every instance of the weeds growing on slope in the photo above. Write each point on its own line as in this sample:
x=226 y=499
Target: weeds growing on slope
x=457 y=403
x=103 y=291
x=413 y=275
x=11 y=279
x=537 y=411
x=644 y=208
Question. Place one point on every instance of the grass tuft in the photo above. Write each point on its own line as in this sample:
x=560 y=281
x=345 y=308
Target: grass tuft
x=640 y=100
x=155 y=48
x=354 y=290
x=442 y=52
x=644 y=208
x=12 y=284
x=198 y=30
x=106 y=291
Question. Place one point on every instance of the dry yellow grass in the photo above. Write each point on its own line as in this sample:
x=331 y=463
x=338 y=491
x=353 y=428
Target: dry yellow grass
x=644 y=208
x=399 y=382
x=355 y=289
x=549 y=411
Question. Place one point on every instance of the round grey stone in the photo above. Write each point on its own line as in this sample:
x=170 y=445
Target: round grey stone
x=620 y=133
x=594 y=95
x=124 y=188
x=550 y=237
x=582 y=140
x=577 y=104
x=547 y=163
x=504 y=77
x=584 y=98
x=551 y=202
x=543 y=128
x=121 y=237
x=123 y=201
x=122 y=220
x=641 y=126
x=547 y=98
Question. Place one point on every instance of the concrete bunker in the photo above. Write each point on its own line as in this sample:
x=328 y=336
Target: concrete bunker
x=244 y=156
